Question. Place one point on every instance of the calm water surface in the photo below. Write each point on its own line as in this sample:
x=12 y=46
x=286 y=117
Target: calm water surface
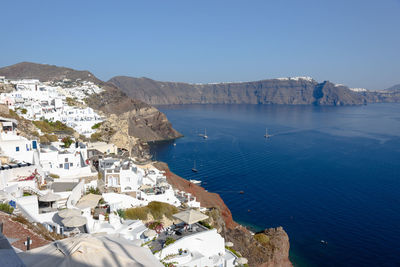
x=327 y=173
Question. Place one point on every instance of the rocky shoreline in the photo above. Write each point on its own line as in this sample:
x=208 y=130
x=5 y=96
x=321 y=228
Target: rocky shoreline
x=274 y=252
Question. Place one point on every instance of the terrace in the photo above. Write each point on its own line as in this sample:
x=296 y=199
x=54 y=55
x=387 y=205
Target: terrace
x=175 y=232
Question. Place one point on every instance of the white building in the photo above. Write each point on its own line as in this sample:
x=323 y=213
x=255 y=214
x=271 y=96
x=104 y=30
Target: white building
x=34 y=101
x=65 y=162
x=201 y=249
x=17 y=148
x=124 y=176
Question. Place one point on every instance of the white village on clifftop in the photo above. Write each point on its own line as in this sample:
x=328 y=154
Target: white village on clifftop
x=99 y=205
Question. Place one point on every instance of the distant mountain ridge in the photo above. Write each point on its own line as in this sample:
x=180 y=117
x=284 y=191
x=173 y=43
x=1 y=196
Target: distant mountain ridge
x=44 y=72
x=295 y=91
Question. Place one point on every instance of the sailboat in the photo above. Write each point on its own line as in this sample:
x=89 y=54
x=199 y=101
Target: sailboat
x=205 y=136
x=194 y=167
x=266 y=134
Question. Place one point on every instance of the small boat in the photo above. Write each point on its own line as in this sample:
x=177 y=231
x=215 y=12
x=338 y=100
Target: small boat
x=205 y=136
x=195 y=181
x=174 y=144
x=241 y=192
x=266 y=135
x=194 y=167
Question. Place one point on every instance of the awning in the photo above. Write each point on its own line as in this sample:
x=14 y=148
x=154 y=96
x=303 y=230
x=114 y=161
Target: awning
x=145 y=186
x=242 y=261
x=69 y=213
x=190 y=216
x=228 y=244
x=90 y=250
x=74 y=221
x=88 y=201
x=49 y=197
x=150 y=233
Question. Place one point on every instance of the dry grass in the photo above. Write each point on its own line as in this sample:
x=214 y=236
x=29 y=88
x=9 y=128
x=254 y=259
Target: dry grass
x=155 y=208
x=136 y=213
x=262 y=238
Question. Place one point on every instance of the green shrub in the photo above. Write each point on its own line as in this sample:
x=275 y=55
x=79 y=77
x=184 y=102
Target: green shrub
x=24 y=111
x=169 y=241
x=205 y=224
x=121 y=213
x=6 y=208
x=67 y=141
x=262 y=238
x=96 y=126
x=92 y=190
x=54 y=176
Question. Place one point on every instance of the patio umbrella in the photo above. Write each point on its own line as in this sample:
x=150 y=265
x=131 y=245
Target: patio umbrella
x=190 y=216
x=165 y=184
x=75 y=221
x=49 y=197
x=242 y=261
x=88 y=201
x=150 y=233
x=229 y=244
x=90 y=250
x=69 y=213
x=145 y=186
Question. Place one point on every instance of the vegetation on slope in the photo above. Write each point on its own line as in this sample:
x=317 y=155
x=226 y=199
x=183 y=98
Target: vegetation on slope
x=52 y=127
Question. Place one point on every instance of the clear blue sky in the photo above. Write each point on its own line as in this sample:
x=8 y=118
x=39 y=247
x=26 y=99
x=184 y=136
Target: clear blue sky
x=355 y=42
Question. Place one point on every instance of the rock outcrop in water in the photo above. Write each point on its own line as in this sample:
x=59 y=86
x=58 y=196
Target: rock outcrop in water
x=292 y=91
x=271 y=254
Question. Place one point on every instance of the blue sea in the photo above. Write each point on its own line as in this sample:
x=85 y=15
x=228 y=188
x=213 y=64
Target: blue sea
x=327 y=173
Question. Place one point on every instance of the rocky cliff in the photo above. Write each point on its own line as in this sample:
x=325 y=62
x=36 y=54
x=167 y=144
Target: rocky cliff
x=391 y=95
x=292 y=91
x=272 y=253
x=143 y=121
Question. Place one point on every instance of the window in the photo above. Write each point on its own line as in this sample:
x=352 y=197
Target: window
x=17 y=148
x=66 y=159
x=61 y=165
x=71 y=164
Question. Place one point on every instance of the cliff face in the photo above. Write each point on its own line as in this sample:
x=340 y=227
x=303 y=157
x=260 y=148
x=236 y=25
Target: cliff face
x=384 y=96
x=144 y=121
x=275 y=91
x=273 y=254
